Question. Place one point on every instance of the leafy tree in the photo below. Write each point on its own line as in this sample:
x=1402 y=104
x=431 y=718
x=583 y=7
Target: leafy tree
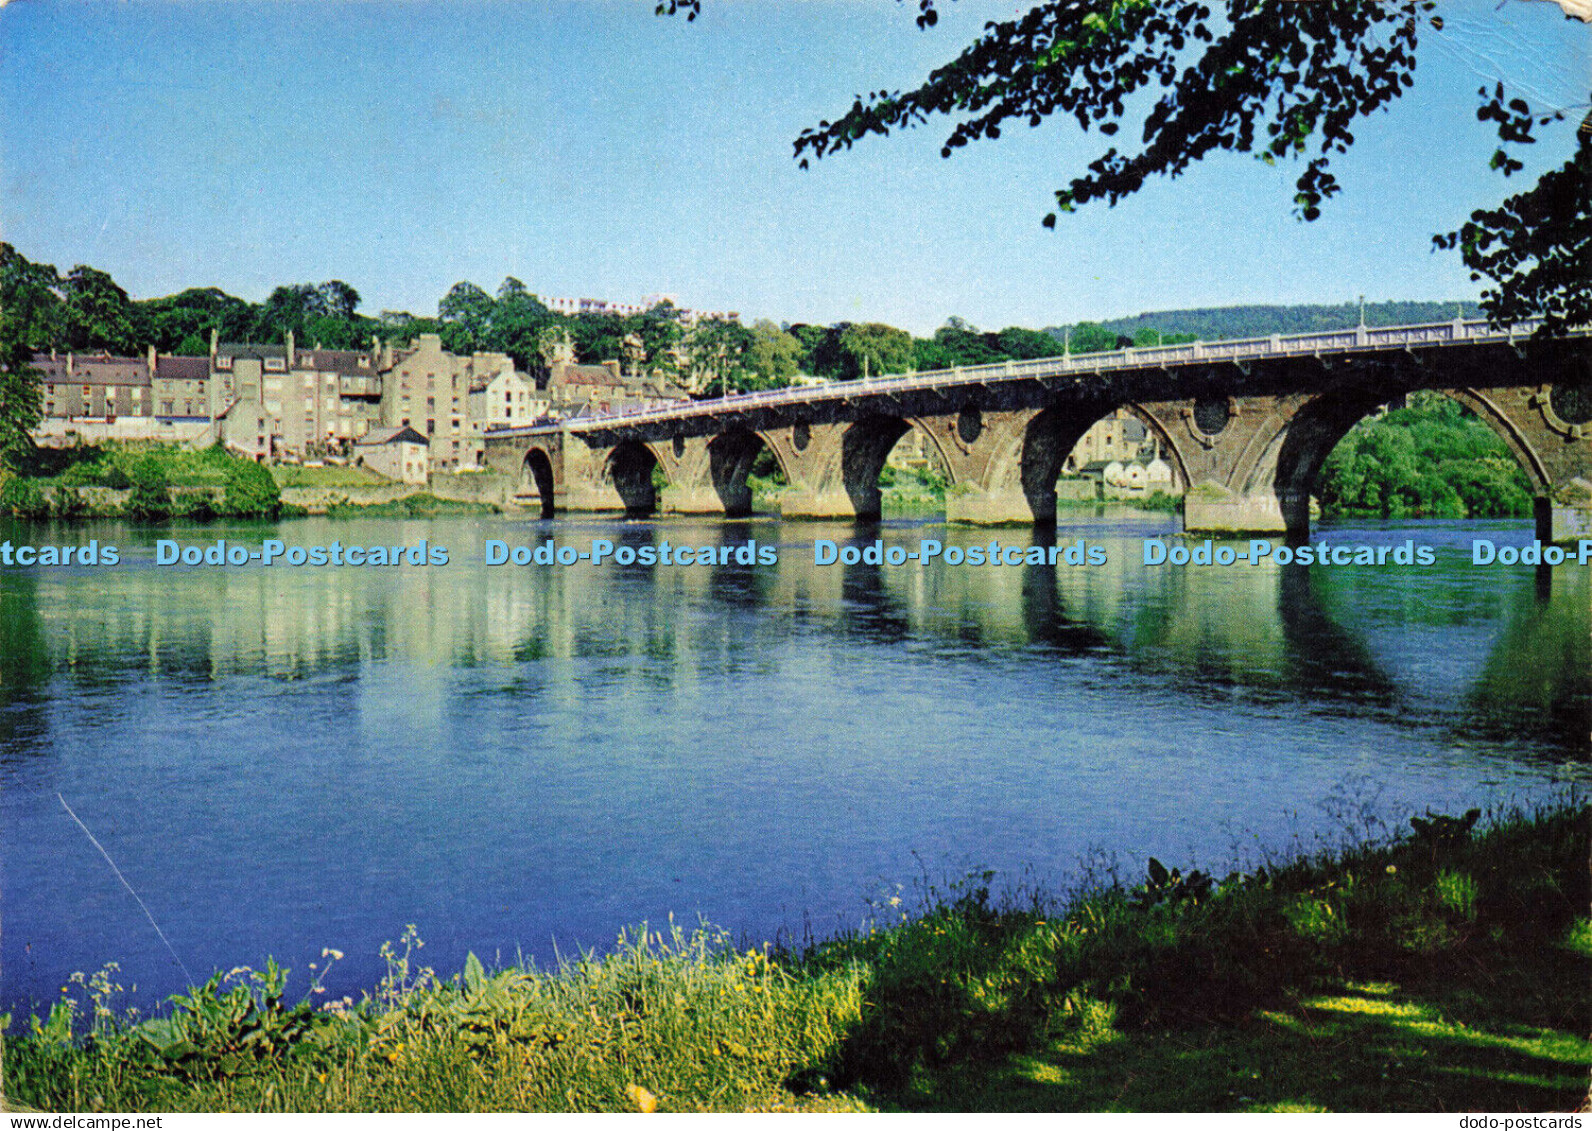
x=338 y=299
x=816 y=348
x=21 y=497
x=1284 y=81
x=658 y=333
x=715 y=356
x=1536 y=246
x=30 y=312
x=871 y=349
x=1432 y=459
x=182 y=323
x=1024 y=345
x=1091 y=337
x=98 y=313
x=518 y=319
x=929 y=354
x=466 y=316
x=773 y=355
x=964 y=345
x=598 y=335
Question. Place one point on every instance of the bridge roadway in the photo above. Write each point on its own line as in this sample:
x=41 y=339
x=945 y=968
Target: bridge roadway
x=1245 y=424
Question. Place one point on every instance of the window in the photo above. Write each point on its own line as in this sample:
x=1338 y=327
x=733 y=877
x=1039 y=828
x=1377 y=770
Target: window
x=431 y=428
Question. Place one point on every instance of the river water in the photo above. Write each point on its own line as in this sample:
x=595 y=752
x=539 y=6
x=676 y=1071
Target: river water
x=522 y=760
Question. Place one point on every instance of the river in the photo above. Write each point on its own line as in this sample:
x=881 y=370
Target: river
x=522 y=760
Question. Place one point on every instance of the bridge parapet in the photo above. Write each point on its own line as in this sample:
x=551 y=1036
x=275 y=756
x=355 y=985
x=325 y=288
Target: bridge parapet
x=1247 y=424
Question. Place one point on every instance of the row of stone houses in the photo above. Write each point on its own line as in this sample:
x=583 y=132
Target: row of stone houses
x=282 y=402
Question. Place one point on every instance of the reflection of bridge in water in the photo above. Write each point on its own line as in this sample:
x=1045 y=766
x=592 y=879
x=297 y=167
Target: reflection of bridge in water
x=1515 y=652
x=1246 y=425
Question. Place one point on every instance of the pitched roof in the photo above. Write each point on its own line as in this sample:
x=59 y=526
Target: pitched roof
x=335 y=361
x=249 y=349
x=402 y=435
x=93 y=370
x=587 y=375
x=183 y=368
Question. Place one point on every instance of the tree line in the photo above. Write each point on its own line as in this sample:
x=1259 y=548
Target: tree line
x=87 y=311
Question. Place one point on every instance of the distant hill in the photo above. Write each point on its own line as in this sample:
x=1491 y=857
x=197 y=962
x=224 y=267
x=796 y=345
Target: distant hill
x=1213 y=324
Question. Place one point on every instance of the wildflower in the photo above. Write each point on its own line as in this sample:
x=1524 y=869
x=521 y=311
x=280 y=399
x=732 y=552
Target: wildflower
x=645 y=1101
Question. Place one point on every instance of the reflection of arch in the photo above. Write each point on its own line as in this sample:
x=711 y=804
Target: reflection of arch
x=863 y=450
x=537 y=473
x=630 y=467
x=1291 y=460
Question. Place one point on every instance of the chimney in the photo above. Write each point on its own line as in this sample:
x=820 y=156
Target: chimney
x=215 y=341
x=152 y=356
x=289 y=340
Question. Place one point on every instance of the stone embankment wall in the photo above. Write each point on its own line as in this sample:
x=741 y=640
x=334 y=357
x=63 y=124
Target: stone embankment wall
x=469 y=488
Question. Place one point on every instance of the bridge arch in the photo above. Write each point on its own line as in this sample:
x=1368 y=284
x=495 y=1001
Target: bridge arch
x=863 y=449
x=536 y=473
x=1290 y=461
x=629 y=468
x=731 y=456
x=1053 y=433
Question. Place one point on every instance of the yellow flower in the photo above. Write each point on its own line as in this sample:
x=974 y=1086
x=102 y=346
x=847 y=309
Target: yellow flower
x=645 y=1101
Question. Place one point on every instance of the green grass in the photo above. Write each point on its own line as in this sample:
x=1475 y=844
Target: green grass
x=295 y=475
x=1450 y=970
x=218 y=483
x=419 y=505
x=115 y=465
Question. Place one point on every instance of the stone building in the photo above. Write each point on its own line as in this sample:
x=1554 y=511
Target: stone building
x=278 y=401
x=426 y=388
x=572 y=388
x=508 y=399
x=398 y=453
x=94 y=386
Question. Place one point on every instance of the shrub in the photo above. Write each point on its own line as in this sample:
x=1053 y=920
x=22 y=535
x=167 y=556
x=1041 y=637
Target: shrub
x=150 y=499
x=22 y=497
x=250 y=492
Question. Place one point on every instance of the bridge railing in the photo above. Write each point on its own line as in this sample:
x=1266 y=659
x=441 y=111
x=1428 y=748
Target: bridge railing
x=1136 y=357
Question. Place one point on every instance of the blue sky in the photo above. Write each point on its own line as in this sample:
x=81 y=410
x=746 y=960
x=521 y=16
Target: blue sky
x=590 y=148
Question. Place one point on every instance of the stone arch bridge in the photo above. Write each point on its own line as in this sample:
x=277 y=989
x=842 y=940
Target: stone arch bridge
x=1245 y=424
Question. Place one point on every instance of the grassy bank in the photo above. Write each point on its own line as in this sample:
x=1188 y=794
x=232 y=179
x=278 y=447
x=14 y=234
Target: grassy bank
x=161 y=481
x=1449 y=970
x=422 y=504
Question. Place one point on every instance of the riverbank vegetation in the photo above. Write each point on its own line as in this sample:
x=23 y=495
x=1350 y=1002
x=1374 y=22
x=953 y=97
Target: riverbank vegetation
x=1448 y=968
x=422 y=504
x=1430 y=459
x=162 y=481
